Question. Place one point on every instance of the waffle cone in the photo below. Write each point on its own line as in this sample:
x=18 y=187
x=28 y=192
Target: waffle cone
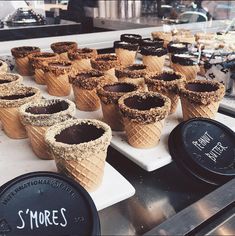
x=58 y=85
x=11 y=123
x=88 y=172
x=190 y=72
x=64 y=56
x=126 y=57
x=112 y=116
x=23 y=66
x=192 y=110
x=36 y=137
x=154 y=63
x=137 y=81
x=143 y=135
x=110 y=76
x=86 y=100
x=81 y=66
x=39 y=76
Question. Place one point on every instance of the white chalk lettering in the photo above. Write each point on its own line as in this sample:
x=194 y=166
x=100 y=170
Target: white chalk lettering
x=36 y=219
x=216 y=151
x=202 y=141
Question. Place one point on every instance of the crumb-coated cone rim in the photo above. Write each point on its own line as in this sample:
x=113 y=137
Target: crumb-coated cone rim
x=39 y=58
x=5 y=103
x=110 y=97
x=103 y=141
x=28 y=118
x=87 y=80
x=145 y=116
x=203 y=97
x=166 y=85
x=129 y=72
x=105 y=62
x=82 y=53
x=11 y=78
x=55 y=68
x=64 y=46
x=23 y=51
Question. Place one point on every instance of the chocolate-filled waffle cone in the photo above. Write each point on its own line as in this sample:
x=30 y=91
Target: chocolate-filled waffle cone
x=84 y=89
x=56 y=78
x=39 y=76
x=190 y=72
x=10 y=82
x=10 y=101
x=109 y=95
x=39 y=116
x=126 y=57
x=80 y=149
x=167 y=84
x=143 y=114
x=200 y=98
x=21 y=55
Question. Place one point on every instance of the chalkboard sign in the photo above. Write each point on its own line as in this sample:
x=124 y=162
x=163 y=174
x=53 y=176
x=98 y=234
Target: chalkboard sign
x=44 y=203
x=205 y=149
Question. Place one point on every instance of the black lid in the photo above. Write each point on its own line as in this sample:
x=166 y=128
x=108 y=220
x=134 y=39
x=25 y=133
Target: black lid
x=44 y=203
x=178 y=47
x=205 y=149
x=153 y=51
x=151 y=42
x=126 y=45
x=131 y=38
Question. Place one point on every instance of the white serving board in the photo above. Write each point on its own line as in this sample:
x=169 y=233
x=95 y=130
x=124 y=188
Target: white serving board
x=17 y=158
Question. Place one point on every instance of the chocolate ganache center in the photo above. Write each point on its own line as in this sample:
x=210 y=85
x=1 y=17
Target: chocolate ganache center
x=49 y=109
x=5 y=81
x=78 y=134
x=17 y=96
x=194 y=87
x=136 y=67
x=141 y=103
x=120 y=88
x=167 y=77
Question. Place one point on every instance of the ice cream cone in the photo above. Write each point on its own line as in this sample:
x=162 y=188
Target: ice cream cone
x=39 y=76
x=109 y=95
x=167 y=84
x=62 y=49
x=22 y=60
x=9 y=82
x=200 y=98
x=81 y=65
x=80 y=149
x=125 y=57
x=9 y=114
x=84 y=88
x=39 y=116
x=143 y=114
x=154 y=64
x=56 y=78
x=165 y=36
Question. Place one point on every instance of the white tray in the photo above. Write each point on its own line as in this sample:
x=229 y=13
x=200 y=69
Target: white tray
x=17 y=158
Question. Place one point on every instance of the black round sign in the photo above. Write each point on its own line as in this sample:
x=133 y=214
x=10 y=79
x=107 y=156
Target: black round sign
x=205 y=149
x=45 y=203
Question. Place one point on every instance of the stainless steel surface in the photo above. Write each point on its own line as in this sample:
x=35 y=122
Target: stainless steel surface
x=159 y=195
x=190 y=219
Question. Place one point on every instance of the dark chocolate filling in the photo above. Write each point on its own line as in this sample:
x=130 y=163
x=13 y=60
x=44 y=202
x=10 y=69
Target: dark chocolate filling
x=131 y=38
x=127 y=46
x=166 y=76
x=4 y=81
x=78 y=134
x=25 y=49
x=50 y=109
x=152 y=43
x=42 y=55
x=17 y=96
x=120 y=88
x=66 y=64
x=107 y=58
x=143 y=104
x=185 y=61
x=174 y=49
x=59 y=44
x=90 y=74
x=136 y=67
x=194 y=87
x=1 y=63
x=153 y=51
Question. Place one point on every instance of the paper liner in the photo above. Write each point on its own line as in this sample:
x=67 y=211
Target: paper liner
x=190 y=72
x=11 y=123
x=39 y=76
x=88 y=172
x=112 y=116
x=126 y=57
x=154 y=63
x=137 y=81
x=23 y=66
x=110 y=76
x=57 y=85
x=36 y=137
x=192 y=110
x=81 y=66
x=86 y=100
x=143 y=135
